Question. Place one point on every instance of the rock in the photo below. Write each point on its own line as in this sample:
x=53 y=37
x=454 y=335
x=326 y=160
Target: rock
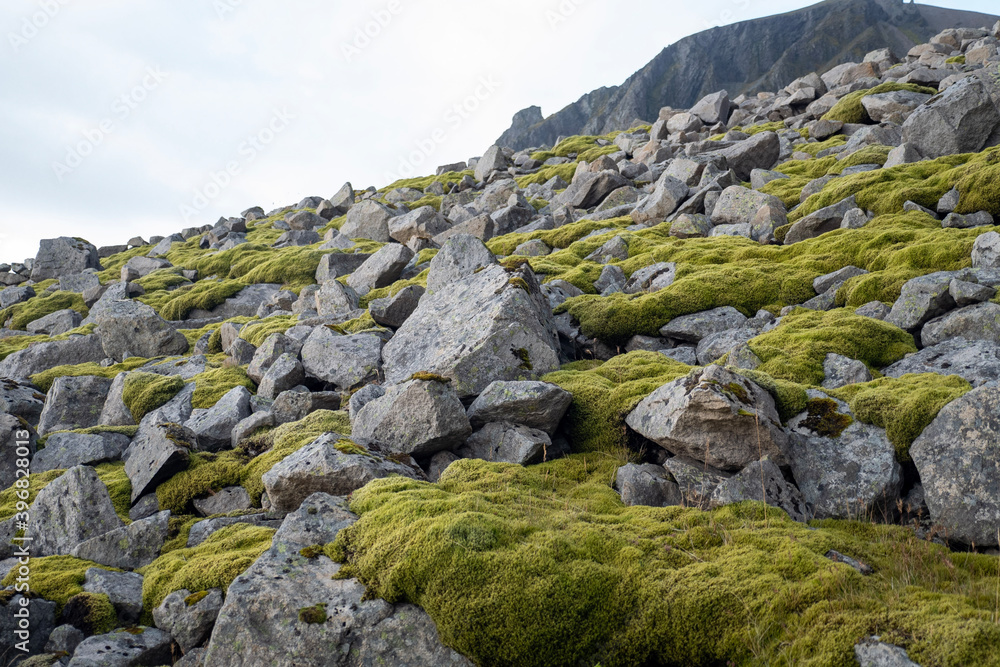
x=977 y=362
x=246 y=303
x=65 y=639
x=285 y=373
x=461 y=256
x=959 y=467
x=761 y=151
x=739 y=205
x=72 y=403
x=887 y=105
x=712 y=108
x=508 y=443
x=949 y=202
x=416 y=417
x=712 y=405
x=21 y=399
x=129 y=547
x=156 y=454
x=56 y=323
x=966 y=294
x=956 y=221
x=612 y=280
x=260 y=623
x=841 y=371
x=133 y=329
x=189 y=624
x=43 y=356
x=202 y=530
x=614 y=250
x=68 y=450
x=140 y=267
x=822 y=221
x=69 y=511
x=985 y=253
x=144 y=508
x=337 y=264
x=21 y=442
x=651 y=278
x=696 y=481
x=229 y=499
x=698 y=326
x=922 y=299
x=214 y=426
x=493 y=160
x=298 y=403
x=870 y=652
x=761 y=481
x=666 y=197
x=347 y=362
x=691 y=226
x=274 y=347
x=62 y=257
x=486 y=327
x=12 y=296
x=590 y=189
x=979 y=322
x=646 y=485
x=538 y=405
x=363 y=397
x=825 y=283
x=381 y=269
x=422 y=223
x=124 y=648
x=124 y=591
x=393 y=311
x=902 y=154
x=959 y=120
x=41 y=623
x=845 y=469
x=439 y=463
x=175 y=411
x=716 y=346
x=368 y=219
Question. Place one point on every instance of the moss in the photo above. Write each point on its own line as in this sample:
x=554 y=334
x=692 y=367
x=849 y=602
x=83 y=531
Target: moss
x=45 y=379
x=424 y=182
x=790 y=398
x=57 y=578
x=797 y=348
x=164 y=279
x=824 y=418
x=195 y=598
x=36 y=482
x=345 y=446
x=315 y=551
x=119 y=487
x=424 y=376
x=37 y=307
x=145 y=392
x=257 y=333
x=518 y=282
x=178 y=532
x=175 y=305
x=545 y=174
x=206 y=473
x=956 y=60
x=868 y=155
x=214 y=563
x=425 y=256
x=563 y=237
x=604 y=394
x=904 y=406
x=434 y=201
x=394 y=289
x=522 y=354
x=584 y=147
x=850 y=109
x=545 y=566
x=91 y=613
x=215 y=383
x=315 y=615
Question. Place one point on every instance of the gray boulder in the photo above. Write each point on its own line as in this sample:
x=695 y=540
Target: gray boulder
x=67 y=450
x=590 y=189
x=11 y=296
x=959 y=120
x=422 y=223
x=224 y=501
x=189 y=624
x=841 y=371
x=43 y=356
x=285 y=373
x=646 y=485
x=493 y=160
x=129 y=547
x=978 y=322
x=381 y=269
x=133 y=329
x=124 y=591
x=986 y=251
x=347 y=362
x=761 y=151
x=392 y=311
x=761 y=481
x=214 y=426
x=739 y=205
x=73 y=403
x=56 y=323
x=461 y=256
x=140 y=267
x=977 y=362
x=538 y=405
x=922 y=299
x=337 y=264
x=124 y=648
x=368 y=219
x=508 y=443
x=712 y=405
x=959 y=466
x=666 y=197
x=62 y=257
x=271 y=350
x=156 y=454
x=698 y=326
x=41 y=623
x=72 y=509
x=822 y=221
x=21 y=441
x=870 y=652
x=416 y=417
x=245 y=303
x=336 y=300
x=21 y=399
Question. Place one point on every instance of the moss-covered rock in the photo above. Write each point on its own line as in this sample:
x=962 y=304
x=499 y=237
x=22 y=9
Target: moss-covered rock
x=850 y=110
x=145 y=392
x=90 y=613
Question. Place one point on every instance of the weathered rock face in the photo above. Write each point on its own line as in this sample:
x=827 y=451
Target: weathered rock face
x=922 y=299
x=133 y=329
x=322 y=466
x=381 y=269
x=21 y=399
x=537 y=405
x=417 y=417
x=980 y=322
x=760 y=151
x=18 y=436
x=713 y=415
x=486 y=327
x=845 y=469
x=189 y=625
x=156 y=454
x=62 y=257
x=368 y=220
x=959 y=466
x=977 y=362
x=461 y=256
x=73 y=402
x=345 y=361
x=148 y=647
x=266 y=616
x=43 y=356
x=67 y=450
x=668 y=195
x=214 y=426
x=508 y=443
x=129 y=547
x=69 y=511
x=648 y=485
x=761 y=481
x=960 y=120
x=698 y=326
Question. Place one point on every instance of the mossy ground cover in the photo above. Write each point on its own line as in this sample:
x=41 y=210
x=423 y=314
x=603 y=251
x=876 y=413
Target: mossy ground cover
x=424 y=182
x=584 y=147
x=45 y=379
x=215 y=383
x=543 y=175
x=545 y=566
x=57 y=578
x=37 y=307
x=145 y=392
x=175 y=305
x=851 y=110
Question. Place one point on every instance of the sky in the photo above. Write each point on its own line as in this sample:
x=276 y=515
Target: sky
x=120 y=118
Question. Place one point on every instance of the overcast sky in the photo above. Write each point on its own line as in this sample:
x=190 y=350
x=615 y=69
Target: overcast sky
x=122 y=118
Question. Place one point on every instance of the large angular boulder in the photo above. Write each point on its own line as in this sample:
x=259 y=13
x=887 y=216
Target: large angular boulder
x=461 y=256
x=392 y=311
x=67 y=450
x=54 y=324
x=666 y=197
x=647 y=485
x=986 y=251
x=156 y=454
x=538 y=405
x=422 y=223
x=214 y=426
x=336 y=300
x=244 y=303
x=713 y=108
x=822 y=221
x=337 y=264
x=489 y=326
x=845 y=469
x=508 y=443
x=43 y=356
x=589 y=189
x=124 y=591
x=977 y=362
x=422 y=416
x=959 y=465
x=959 y=120
x=368 y=219
x=922 y=299
x=133 y=329
x=72 y=509
x=270 y=351
x=123 y=648
x=698 y=326
x=12 y=296
x=761 y=151
x=381 y=269
x=188 y=624
x=21 y=399
x=41 y=621
x=714 y=416
x=284 y=374
x=62 y=257
x=290 y=610
x=347 y=362
x=129 y=547
x=73 y=403
x=331 y=464
x=980 y=322
x=761 y=481
x=21 y=441
x=740 y=205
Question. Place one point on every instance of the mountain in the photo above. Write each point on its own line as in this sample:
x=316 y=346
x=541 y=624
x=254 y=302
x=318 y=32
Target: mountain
x=747 y=57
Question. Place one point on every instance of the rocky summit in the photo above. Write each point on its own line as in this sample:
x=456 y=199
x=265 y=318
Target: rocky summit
x=721 y=389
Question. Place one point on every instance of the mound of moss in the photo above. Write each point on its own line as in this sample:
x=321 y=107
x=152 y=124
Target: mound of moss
x=37 y=307
x=215 y=383
x=850 y=109
x=145 y=392
x=57 y=578
x=545 y=566
x=584 y=147
x=91 y=613
x=45 y=379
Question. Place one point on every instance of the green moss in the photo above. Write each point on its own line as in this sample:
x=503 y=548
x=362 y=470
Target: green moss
x=815 y=148
x=57 y=578
x=164 y=279
x=522 y=354
x=315 y=551
x=119 y=487
x=424 y=182
x=175 y=305
x=45 y=379
x=904 y=406
x=37 y=307
x=850 y=110
x=545 y=566
x=956 y=60
x=145 y=392
x=563 y=237
x=824 y=418
x=113 y=264
x=36 y=482
x=790 y=398
x=395 y=288
x=214 y=563
x=518 y=282
x=91 y=613
x=545 y=174
x=604 y=394
x=195 y=598
x=259 y=332
x=584 y=147
x=797 y=348
x=313 y=615
x=206 y=473
x=215 y=383
x=424 y=376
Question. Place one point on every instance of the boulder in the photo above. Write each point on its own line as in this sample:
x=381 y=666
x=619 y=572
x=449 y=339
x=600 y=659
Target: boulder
x=761 y=151
x=461 y=256
x=489 y=326
x=381 y=269
x=493 y=160
x=897 y=103
x=67 y=450
x=761 y=481
x=590 y=189
x=62 y=257
x=70 y=510
x=128 y=547
x=73 y=403
x=41 y=624
x=224 y=501
x=21 y=399
x=976 y=362
x=392 y=311
x=959 y=120
x=11 y=296
x=698 y=326
x=822 y=221
x=870 y=652
x=508 y=443
x=922 y=299
x=347 y=362
x=124 y=648
x=713 y=108
x=738 y=204
x=156 y=454
x=368 y=219
x=712 y=405
x=335 y=300
x=214 y=426
x=124 y=591
x=189 y=624
x=43 y=356
x=56 y=323
x=416 y=417
x=646 y=485
x=422 y=223
x=273 y=347
x=985 y=252
x=979 y=322
x=21 y=442
x=133 y=329
x=666 y=197
x=538 y=405
x=285 y=373
x=841 y=371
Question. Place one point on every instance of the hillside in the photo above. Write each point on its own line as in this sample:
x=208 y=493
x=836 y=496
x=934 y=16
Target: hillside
x=746 y=57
